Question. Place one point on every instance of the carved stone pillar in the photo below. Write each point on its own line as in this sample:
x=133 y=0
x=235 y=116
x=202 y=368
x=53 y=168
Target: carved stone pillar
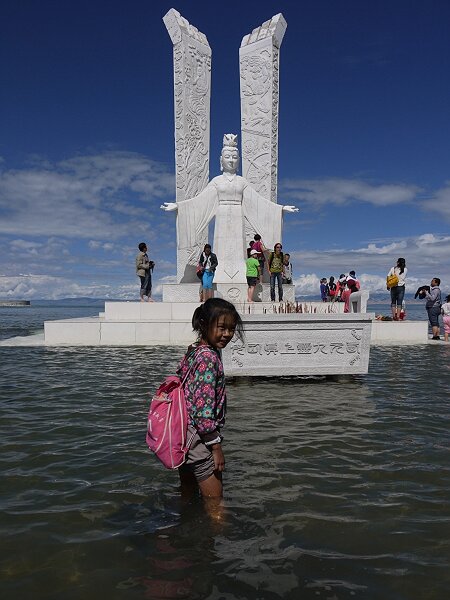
x=259 y=68
x=192 y=92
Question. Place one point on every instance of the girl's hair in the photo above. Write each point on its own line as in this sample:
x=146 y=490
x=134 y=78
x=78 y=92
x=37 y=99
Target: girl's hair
x=448 y=298
x=401 y=264
x=207 y=314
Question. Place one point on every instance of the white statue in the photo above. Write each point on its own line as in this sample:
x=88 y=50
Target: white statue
x=237 y=207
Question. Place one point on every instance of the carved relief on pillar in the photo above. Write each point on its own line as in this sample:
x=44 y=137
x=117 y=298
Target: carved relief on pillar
x=256 y=119
x=192 y=92
x=259 y=68
x=192 y=78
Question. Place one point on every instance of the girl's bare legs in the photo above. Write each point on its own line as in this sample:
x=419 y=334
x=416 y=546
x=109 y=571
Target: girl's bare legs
x=250 y=294
x=212 y=487
x=212 y=492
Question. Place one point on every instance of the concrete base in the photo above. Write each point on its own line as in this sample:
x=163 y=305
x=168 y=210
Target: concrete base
x=313 y=341
x=399 y=332
x=236 y=293
x=292 y=344
x=162 y=323
x=317 y=339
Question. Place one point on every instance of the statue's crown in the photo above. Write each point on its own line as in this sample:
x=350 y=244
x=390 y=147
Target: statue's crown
x=230 y=140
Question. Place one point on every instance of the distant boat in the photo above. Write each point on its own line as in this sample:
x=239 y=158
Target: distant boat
x=9 y=303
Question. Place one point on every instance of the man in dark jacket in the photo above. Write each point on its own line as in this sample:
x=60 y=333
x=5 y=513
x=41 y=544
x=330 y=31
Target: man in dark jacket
x=144 y=268
x=433 y=306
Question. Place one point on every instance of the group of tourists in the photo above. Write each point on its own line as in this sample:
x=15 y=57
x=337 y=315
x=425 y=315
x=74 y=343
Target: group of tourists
x=339 y=290
x=279 y=267
x=278 y=264
x=395 y=283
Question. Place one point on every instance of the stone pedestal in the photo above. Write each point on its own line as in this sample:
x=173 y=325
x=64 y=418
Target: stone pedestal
x=236 y=293
x=281 y=345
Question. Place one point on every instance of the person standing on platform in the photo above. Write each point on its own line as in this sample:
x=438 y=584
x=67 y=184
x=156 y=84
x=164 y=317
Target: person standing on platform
x=332 y=289
x=433 y=306
x=324 y=289
x=253 y=274
x=287 y=269
x=276 y=272
x=398 y=290
x=258 y=245
x=445 y=311
x=346 y=293
x=208 y=262
x=352 y=280
x=144 y=268
x=340 y=287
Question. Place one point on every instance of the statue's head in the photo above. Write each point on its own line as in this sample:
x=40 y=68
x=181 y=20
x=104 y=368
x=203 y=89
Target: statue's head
x=229 y=157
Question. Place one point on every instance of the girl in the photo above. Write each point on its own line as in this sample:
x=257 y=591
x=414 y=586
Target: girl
x=349 y=289
x=332 y=289
x=216 y=321
x=398 y=291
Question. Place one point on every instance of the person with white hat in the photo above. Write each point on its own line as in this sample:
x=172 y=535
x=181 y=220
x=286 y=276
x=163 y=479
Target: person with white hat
x=253 y=273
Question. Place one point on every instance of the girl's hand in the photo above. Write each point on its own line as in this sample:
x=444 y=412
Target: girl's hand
x=219 y=458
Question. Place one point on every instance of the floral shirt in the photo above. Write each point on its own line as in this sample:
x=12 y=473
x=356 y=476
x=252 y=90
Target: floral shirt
x=204 y=391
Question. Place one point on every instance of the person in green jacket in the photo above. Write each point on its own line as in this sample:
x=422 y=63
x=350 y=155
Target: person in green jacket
x=253 y=273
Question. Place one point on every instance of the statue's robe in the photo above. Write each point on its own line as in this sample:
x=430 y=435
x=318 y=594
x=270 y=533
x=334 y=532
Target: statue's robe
x=240 y=212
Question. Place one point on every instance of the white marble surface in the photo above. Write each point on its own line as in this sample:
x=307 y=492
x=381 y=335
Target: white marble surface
x=259 y=58
x=399 y=332
x=170 y=324
x=192 y=93
x=283 y=345
x=237 y=292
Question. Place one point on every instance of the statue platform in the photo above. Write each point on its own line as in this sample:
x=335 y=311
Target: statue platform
x=319 y=339
x=233 y=292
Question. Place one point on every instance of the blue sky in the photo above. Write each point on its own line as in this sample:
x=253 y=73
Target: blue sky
x=87 y=151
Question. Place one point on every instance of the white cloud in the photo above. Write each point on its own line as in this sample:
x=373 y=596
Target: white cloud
x=345 y=191
x=426 y=256
x=96 y=245
x=392 y=248
x=440 y=202
x=28 y=287
x=94 y=197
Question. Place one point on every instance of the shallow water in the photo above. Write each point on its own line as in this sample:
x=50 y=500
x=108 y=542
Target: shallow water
x=333 y=489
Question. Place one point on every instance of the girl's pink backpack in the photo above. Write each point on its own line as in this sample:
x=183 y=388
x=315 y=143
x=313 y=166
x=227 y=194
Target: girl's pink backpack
x=167 y=422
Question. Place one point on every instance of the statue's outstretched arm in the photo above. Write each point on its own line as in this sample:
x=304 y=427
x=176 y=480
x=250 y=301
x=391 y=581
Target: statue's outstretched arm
x=289 y=208
x=169 y=206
